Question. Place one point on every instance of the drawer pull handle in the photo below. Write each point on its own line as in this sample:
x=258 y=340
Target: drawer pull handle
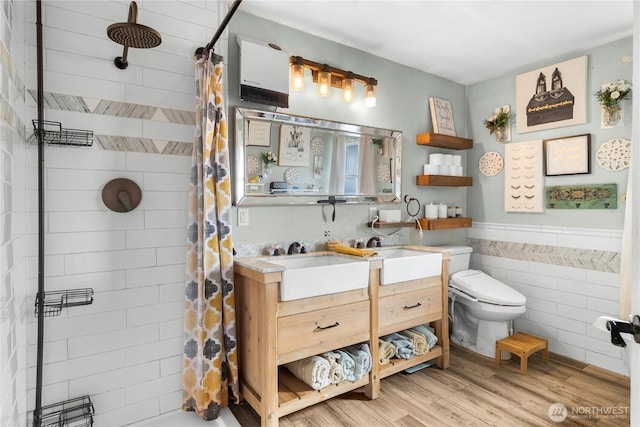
x=327 y=327
x=416 y=305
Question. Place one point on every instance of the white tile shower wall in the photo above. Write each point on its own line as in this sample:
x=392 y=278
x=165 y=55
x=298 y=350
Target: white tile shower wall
x=562 y=301
x=132 y=260
x=113 y=349
x=15 y=158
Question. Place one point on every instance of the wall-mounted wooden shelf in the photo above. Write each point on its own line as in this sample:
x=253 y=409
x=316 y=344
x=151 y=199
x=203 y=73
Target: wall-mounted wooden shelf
x=444 y=141
x=382 y=224
x=444 y=180
x=444 y=223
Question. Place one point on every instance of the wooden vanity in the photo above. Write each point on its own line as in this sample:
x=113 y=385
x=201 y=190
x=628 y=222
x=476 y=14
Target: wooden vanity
x=272 y=333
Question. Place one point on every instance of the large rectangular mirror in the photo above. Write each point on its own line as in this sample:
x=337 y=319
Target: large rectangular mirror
x=313 y=159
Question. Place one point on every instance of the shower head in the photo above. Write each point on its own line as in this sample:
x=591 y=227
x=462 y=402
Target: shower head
x=131 y=34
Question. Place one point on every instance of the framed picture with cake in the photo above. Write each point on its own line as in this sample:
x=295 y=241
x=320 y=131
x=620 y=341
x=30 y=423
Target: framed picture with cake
x=552 y=97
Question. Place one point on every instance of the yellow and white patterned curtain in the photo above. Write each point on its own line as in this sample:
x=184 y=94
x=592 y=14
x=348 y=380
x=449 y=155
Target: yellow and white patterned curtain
x=210 y=376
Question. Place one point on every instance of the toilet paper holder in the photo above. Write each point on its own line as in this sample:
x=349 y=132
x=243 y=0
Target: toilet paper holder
x=618 y=326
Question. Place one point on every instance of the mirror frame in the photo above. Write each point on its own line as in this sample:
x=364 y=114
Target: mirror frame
x=266 y=199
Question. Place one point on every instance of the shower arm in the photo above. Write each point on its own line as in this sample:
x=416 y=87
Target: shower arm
x=205 y=50
x=133 y=18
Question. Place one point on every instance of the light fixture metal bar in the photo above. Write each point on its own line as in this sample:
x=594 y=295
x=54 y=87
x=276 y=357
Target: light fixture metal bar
x=339 y=73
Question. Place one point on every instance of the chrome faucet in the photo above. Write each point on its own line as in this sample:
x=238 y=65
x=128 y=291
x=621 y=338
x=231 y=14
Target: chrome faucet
x=376 y=240
x=294 y=248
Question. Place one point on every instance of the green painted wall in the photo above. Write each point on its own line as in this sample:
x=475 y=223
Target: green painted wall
x=403 y=94
x=402 y=104
x=605 y=63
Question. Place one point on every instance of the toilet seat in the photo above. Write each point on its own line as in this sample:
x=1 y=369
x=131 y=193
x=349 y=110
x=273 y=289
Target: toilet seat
x=484 y=288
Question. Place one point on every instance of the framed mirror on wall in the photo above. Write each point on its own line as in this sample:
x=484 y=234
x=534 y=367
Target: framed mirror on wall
x=283 y=159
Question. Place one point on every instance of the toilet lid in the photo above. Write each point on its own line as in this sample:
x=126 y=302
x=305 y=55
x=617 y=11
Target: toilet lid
x=485 y=288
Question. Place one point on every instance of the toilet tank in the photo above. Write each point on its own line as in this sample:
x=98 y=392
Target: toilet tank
x=460 y=257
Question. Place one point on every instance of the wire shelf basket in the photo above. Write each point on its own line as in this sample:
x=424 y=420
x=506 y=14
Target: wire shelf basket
x=55 y=301
x=54 y=133
x=72 y=413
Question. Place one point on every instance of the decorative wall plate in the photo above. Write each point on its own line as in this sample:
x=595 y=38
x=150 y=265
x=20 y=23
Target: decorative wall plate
x=615 y=154
x=383 y=172
x=491 y=163
x=291 y=175
x=317 y=145
x=252 y=164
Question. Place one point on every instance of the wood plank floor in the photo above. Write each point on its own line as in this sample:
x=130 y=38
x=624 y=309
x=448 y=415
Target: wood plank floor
x=474 y=392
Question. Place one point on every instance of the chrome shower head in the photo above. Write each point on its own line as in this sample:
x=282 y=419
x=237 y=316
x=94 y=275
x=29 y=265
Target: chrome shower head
x=131 y=34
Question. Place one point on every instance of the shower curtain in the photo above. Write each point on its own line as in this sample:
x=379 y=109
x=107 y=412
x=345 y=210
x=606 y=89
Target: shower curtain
x=210 y=361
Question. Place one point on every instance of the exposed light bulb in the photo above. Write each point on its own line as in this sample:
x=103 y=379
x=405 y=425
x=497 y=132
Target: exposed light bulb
x=348 y=88
x=324 y=82
x=370 y=94
x=297 y=77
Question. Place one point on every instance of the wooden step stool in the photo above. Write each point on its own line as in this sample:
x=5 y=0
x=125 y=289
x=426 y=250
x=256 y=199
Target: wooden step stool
x=522 y=345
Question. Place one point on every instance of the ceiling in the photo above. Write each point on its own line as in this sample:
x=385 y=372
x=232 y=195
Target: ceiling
x=464 y=41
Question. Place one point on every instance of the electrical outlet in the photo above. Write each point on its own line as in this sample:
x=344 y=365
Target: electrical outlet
x=243 y=217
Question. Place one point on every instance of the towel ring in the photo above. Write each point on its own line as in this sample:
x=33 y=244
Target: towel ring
x=121 y=195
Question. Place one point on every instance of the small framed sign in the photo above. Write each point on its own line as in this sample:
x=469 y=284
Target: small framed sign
x=442 y=116
x=567 y=156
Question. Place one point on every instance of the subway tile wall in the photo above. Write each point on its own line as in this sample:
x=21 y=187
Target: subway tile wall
x=123 y=350
x=564 y=294
x=15 y=217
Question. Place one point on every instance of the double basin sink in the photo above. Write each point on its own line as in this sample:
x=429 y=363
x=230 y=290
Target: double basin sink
x=326 y=273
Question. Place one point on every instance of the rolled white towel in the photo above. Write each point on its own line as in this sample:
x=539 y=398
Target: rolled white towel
x=335 y=370
x=313 y=371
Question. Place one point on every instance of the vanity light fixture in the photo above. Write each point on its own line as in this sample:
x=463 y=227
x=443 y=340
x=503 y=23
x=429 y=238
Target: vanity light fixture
x=326 y=76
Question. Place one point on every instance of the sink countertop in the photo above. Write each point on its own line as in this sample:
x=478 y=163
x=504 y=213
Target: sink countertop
x=261 y=264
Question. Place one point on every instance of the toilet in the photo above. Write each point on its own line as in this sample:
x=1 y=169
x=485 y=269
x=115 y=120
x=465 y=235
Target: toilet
x=481 y=308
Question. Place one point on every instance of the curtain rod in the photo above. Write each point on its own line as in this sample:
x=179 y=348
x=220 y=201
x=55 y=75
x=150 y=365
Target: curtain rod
x=220 y=30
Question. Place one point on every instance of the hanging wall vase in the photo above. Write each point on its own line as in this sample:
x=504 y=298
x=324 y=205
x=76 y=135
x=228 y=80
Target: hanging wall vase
x=611 y=116
x=501 y=135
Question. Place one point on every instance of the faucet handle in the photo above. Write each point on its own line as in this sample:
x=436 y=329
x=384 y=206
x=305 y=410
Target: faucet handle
x=293 y=248
x=277 y=250
x=358 y=243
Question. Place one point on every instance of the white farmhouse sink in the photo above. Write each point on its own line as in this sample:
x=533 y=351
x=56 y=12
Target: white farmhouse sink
x=401 y=264
x=314 y=275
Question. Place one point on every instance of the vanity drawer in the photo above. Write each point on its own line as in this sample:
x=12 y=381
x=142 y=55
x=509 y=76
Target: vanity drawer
x=404 y=310
x=307 y=334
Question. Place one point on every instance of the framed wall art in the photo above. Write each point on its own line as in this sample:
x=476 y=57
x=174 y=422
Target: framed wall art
x=295 y=146
x=552 y=97
x=442 y=116
x=259 y=133
x=523 y=181
x=598 y=196
x=567 y=156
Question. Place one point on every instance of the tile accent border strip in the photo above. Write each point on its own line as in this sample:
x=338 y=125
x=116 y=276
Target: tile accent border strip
x=598 y=260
